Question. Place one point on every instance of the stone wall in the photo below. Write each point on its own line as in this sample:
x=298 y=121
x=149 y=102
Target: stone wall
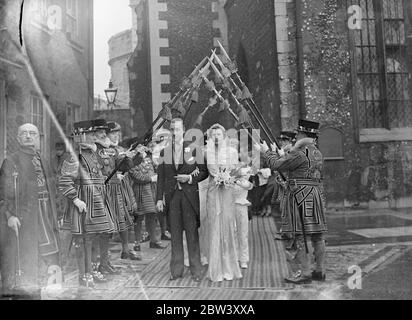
x=140 y=74
x=376 y=174
x=252 y=41
x=120 y=50
x=187 y=31
x=62 y=67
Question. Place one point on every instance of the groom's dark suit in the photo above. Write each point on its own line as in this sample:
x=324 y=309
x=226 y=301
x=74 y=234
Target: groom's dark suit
x=182 y=204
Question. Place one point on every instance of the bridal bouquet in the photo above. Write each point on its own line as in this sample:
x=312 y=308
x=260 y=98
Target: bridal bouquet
x=228 y=177
x=224 y=177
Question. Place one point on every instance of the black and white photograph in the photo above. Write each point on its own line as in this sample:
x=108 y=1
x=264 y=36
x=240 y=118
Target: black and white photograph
x=205 y=150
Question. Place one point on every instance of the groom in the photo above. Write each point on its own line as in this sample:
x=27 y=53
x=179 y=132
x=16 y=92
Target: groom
x=178 y=183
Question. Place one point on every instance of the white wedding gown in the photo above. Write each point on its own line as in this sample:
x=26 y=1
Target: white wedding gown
x=219 y=229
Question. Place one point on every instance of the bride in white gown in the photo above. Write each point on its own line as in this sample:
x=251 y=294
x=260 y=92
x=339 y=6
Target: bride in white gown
x=220 y=220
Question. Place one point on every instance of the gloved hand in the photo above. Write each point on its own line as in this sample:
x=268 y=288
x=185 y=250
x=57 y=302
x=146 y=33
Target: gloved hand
x=81 y=205
x=281 y=152
x=196 y=172
x=261 y=147
x=160 y=206
x=154 y=178
x=266 y=173
x=130 y=154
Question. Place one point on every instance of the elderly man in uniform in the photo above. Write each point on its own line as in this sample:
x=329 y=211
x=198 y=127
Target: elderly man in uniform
x=29 y=232
x=303 y=204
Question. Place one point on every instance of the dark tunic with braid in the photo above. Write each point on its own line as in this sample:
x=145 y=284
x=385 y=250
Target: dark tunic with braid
x=303 y=167
x=144 y=188
x=25 y=175
x=108 y=159
x=82 y=178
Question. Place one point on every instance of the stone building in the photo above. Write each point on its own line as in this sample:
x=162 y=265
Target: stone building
x=121 y=47
x=53 y=68
x=173 y=36
x=344 y=63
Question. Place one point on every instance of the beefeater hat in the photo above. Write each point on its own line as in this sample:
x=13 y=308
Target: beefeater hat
x=287 y=135
x=88 y=126
x=309 y=127
x=114 y=126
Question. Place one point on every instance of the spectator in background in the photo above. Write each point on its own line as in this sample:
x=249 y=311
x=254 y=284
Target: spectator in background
x=59 y=157
x=57 y=163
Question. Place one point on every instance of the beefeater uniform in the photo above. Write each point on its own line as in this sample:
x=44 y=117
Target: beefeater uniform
x=82 y=179
x=303 y=197
x=24 y=174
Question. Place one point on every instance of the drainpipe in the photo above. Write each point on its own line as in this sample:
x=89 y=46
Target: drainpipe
x=300 y=59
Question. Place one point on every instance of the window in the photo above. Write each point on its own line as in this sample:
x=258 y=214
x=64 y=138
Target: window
x=36 y=113
x=382 y=77
x=71 y=117
x=37 y=118
x=72 y=19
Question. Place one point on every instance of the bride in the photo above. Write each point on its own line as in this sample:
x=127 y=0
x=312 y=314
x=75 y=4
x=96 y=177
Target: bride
x=220 y=214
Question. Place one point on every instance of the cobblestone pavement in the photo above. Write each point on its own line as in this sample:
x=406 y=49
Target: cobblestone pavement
x=370 y=257
x=376 y=256
x=339 y=259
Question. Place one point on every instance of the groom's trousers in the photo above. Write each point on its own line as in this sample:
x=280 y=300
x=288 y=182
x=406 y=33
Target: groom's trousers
x=183 y=217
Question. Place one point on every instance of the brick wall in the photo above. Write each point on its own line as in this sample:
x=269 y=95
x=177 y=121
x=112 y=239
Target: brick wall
x=189 y=31
x=285 y=19
x=252 y=40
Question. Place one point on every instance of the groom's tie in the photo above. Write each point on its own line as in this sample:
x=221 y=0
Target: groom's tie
x=177 y=154
x=177 y=157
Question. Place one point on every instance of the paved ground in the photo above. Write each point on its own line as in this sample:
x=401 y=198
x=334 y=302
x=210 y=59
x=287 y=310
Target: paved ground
x=391 y=280
x=378 y=242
